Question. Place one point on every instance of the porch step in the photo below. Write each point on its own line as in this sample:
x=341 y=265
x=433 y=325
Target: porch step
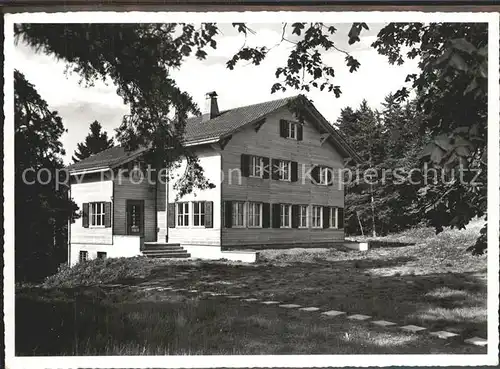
x=164 y=250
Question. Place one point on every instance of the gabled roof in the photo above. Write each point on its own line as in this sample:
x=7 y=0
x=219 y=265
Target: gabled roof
x=213 y=130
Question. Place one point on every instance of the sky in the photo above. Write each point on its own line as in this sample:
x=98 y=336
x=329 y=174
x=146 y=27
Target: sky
x=79 y=105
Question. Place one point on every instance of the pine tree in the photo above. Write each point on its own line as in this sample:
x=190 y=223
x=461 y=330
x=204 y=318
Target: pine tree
x=42 y=207
x=95 y=142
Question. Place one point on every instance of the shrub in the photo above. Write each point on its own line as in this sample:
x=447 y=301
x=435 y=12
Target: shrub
x=101 y=271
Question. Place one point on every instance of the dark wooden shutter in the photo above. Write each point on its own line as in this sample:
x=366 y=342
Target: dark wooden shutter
x=300 y=132
x=315 y=175
x=245 y=165
x=330 y=171
x=266 y=168
x=228 y=214
x=295 y=216
x=209 y=214
x=107 y=214
x=275 y=174
x=171 y=215
x=340 y=221
x=85 y=215
x=326 y=216
x=283 y=128
x=266 y=215
x=295 y=171
x=275 y=215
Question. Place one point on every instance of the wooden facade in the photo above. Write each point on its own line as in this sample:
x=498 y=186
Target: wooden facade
x=267 y=142
x=130 y=188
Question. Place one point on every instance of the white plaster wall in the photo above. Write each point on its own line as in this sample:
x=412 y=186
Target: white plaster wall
x=215 y=253
x=95 y=191
x=123 y=246
x=210 y=160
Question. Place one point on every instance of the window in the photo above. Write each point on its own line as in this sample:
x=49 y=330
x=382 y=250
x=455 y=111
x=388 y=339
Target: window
x=238 y=214
x=334 y=217
x=84 y=256
x=302 y=216
x=97 y=214
x=292 y=130
x=255 y=214
x=101 y=255
x=325 y=175
x=284 y=170
x=199 y=213
x=317 y=217
x=256 y=166
x=183 y=214
x=285 y=216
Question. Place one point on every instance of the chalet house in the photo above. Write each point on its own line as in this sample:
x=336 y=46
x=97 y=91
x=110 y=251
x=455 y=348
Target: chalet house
x=276 y=185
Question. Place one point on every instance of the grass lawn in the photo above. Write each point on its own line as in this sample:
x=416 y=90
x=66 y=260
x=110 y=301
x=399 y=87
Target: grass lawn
x=412 y=278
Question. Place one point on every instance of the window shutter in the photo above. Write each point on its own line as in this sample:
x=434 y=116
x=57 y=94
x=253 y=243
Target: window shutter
x=228 y=214
x=245 y=165
x=85 y=215
x=275 y=169
x=340 y=221
x=275 y=215
x=300 y=132
x=107 y=214
x=295 y=216
x=266 y=215
x=171 y=215
x=209 y=214
x=330 y=170
x=266 y=168
x=283 y=128
x=295 y=171
x=326 y=216
x=315 y=175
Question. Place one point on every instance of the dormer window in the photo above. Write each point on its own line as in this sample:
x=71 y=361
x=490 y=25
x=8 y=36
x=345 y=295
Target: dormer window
x=291 y=130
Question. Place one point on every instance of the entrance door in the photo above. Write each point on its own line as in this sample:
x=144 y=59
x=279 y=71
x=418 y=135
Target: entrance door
x=135 y=217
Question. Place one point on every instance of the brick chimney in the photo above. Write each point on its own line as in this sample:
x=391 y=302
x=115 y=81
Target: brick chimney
x=211 y=107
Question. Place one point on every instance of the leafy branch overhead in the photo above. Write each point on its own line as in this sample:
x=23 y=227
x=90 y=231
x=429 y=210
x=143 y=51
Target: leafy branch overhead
x=305 y=68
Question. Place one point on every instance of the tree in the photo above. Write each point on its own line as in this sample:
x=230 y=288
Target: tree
x=137 y=58
x=42 y=207
x=452 y=94
x=95 y=142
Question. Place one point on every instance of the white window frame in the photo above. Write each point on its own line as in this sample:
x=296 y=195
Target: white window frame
x=234 y=214
x=325 y=176
x=252 y=207
x=303 y=208
x=313 y=217
x=284 y=167
x=295 y=126
x=186 y=212
x=86 y=258
x=199 y=213
x=97 y=213
x=256 y=166
x=283 y=215
x=334 y=210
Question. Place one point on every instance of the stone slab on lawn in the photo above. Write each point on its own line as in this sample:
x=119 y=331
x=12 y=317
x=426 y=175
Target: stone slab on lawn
x=478 y=341
x=383 y=323
x=310 y=308
x=289 y=306
x=333 y=313
x=193 y=291
x=270 y=302
x=412 y=328
x=443 y=334
x=251 y=299
x=233 y=297
x=359 y=317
